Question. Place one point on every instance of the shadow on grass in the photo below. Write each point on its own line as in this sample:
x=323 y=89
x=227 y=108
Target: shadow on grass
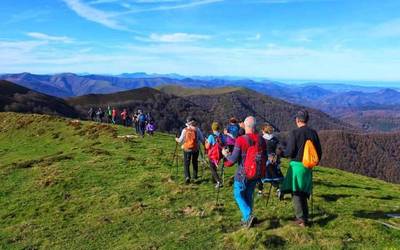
x=374 y=214
x=274 y=242
x=329 y=184
x=334 y=197
x=322 y=219
x=386 y=198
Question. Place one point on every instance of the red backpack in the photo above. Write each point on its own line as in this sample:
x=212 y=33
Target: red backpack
x=215 y=151
x=255 y=162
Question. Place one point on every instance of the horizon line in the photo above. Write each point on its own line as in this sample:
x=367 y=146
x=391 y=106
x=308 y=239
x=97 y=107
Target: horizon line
x=254 y=78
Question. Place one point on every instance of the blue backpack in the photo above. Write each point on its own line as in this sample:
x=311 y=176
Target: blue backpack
x=142 y=118
x=233 y=129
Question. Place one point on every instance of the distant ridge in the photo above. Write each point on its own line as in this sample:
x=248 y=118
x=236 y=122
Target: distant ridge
x=182 y=91
x=15 y=98
x=338 y=100
x=171 y=104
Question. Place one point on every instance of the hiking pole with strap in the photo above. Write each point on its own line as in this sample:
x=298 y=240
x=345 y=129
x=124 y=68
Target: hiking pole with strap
x=202 y=162
x=269 y=195
x=223 y=173
x=175 y=158
x=219 y=186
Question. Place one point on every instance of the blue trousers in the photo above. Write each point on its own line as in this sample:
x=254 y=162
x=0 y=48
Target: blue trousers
x=243 y=193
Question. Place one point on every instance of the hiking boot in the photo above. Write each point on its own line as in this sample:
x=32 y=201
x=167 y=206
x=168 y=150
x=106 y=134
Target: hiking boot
x=300 y=223
x=218 y=185
x=260 y=193
x=187 y=181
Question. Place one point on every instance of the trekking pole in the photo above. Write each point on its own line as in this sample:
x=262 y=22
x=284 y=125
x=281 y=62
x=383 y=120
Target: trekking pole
x=202 y=163
x=175 y=158
x=219 y=186
x=269 y=195
x=177 y=167
x=312 y=198
x=175 y=151
x=223 y=173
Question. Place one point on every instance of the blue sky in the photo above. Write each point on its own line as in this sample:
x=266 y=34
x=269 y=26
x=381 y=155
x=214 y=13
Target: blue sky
x=285 y=39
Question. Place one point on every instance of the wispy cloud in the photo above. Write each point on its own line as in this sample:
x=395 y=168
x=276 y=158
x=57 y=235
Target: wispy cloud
x=32 y=15
x=42 y=36
x=272 y=60
x=286 y=1
x=94 y=15
x=176 y=5
x=390 y=28
x=256 y=37
x=112 y=19
x=174 y=38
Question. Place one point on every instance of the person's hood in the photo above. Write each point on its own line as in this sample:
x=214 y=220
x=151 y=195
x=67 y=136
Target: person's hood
x=268 y=136
x=189 y=125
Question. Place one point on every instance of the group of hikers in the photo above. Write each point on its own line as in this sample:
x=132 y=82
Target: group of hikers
x=257 y=155
x=142 y=122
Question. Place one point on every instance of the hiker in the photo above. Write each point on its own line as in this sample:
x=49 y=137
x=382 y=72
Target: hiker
x=214 y=144
x=191 y=138
x=142 y=122
x=99 y=115
x=250 y=153
x=135 y=121
x=114 y=115
x=298 y=180
x=241 y=128
x=108 y=114
x=91 y=114
x=273 y=172
x=124 y=115
x=232 y=132
x=150 y=128
x=149 y=117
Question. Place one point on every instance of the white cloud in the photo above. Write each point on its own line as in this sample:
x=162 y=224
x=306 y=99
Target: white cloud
x=174 y=38
x=257 y=37
x=42 y=36
x=389 y=28
x=272 y=60
x=94 y=15
x=113 y=19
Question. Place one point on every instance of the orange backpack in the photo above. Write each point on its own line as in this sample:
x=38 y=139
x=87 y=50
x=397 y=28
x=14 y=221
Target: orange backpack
x=310 y=156
x=190 y=139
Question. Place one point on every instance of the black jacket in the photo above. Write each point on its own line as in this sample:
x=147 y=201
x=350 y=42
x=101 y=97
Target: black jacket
x=297 y=140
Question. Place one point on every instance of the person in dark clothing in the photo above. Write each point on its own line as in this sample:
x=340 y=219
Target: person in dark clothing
x=242 y=131
x=91 y=114
x=274 y=174
x=191 y=138
x=135 y=121
x=298 y=180
x=142 y=123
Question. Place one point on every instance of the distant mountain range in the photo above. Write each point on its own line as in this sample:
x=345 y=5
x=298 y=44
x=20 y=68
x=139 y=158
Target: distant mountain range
x=376 y=155
x=338 y=100
x=170 y=105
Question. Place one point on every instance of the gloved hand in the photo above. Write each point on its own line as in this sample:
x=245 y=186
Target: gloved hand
x=225 y=152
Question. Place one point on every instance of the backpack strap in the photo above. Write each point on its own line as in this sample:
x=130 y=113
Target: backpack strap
x=249 y=141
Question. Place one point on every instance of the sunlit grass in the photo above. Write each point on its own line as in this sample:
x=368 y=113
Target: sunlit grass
x=67 y=185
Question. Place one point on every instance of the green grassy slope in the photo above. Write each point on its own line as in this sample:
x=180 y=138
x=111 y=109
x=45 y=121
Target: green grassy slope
x=78 y=186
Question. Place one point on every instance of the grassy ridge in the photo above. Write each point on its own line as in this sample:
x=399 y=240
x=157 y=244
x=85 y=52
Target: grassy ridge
x=67 y=185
